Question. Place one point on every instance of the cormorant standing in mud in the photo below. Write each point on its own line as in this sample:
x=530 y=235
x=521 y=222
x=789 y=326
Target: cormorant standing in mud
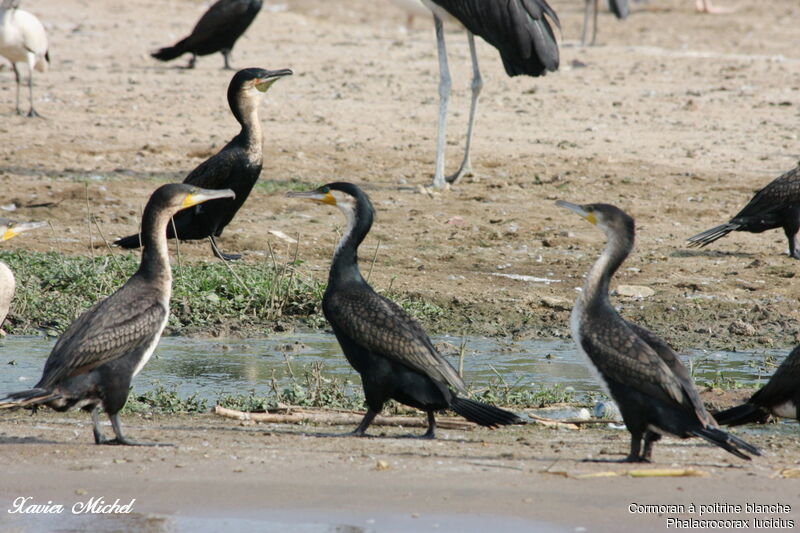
x=95 y=359
x=217 y=31
x=390 y=350
x=779 y=397
x=643 y=375
x=237 y=166
x=775 y=206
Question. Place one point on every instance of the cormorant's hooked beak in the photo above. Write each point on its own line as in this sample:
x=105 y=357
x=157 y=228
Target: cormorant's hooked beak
x=19 y=227
x=204 y=195
x=322 y=195
x=588 y=215
x=265 y=82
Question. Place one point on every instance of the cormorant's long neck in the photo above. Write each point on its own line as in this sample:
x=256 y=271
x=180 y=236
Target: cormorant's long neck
x=345 y=259
x=595 y=289
x=155 y=255
x=245 y=109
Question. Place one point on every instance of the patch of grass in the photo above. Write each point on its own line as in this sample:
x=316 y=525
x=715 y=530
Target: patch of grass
x=163 y=400
x=500 y=393
x=275 y=186
x=52 y=290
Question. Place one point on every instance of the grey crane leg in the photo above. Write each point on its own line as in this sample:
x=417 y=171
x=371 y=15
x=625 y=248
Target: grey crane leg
x=477 y=85
x=594 y=28
x=32 y=112
x=16 y=76
x=586 y=12
x=444 y=93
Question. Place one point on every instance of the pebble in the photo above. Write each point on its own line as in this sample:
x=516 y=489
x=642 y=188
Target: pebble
x=635 y=291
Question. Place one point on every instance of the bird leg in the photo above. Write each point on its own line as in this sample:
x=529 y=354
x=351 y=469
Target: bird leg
x=16 y=75
x=594 y=28
x=120 y=437
x=790 y=228
x=32 y=112
x=650 y=437
x=360 y=431
x=192 y=62
x=477 y=85
x=98 y=434
x=218 y=252
x=226 y=54
x=636 y=446
x=431 y=433
x=705 y=6
x=444 y=94
x=586 y=14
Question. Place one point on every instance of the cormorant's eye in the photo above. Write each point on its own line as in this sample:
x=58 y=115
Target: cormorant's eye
x=325 y=189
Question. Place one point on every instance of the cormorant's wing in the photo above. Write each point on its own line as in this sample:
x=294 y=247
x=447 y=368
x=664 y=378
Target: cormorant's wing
x=668 y=355
x=127 y=320
x=517 y=28
x=776 y=195
x=382 y=327
x=214 y=172
x=218 y=18
x=620 y=355
x=783 y=384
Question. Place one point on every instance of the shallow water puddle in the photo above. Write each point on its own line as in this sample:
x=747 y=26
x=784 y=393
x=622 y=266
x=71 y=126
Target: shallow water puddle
x=209 y=367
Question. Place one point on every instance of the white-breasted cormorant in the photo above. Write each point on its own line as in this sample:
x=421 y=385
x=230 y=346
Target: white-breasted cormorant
x=94 y=360
x=237 y=166
x=643 y=375
x=620 y=8
x=775 y=206
x=10 y=229
x=779 y=397
x=23 y=40
x=216 y=31
x=521 y=33
x=390 y=350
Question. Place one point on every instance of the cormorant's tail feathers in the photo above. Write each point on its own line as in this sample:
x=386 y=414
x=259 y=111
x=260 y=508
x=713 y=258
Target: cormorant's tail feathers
x=711 y=235
x=484 y=414
x=728 y=442
x=18 y=400
x=742 y=414
x=129 y=242
x=620 y=8
x=169 y=52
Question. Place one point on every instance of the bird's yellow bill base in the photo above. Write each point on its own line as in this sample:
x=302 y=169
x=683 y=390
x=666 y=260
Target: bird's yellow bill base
x=588 y=215
x=323 y=197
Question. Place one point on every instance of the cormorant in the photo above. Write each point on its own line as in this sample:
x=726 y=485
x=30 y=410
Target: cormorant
x=93 y=362
x=390 y=350
x=8 y=230
x=517 y=28
x=23 y=40
x=643 y=375
x=779 y=397
x=216 y=31
x=620 y=9
x=237 y=166
x=775 y=206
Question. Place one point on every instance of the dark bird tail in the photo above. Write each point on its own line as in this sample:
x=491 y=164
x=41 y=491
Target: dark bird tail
x=484 y=414
x=170 y=52
x=742 y=414
x=129 y=242
x=620 y=8
x=27 y=398
x=711 y=235
x=728 y=442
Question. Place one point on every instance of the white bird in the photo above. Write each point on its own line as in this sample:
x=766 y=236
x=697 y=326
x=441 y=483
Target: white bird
x=9 y=229
x=520 y=31
x=23 y=40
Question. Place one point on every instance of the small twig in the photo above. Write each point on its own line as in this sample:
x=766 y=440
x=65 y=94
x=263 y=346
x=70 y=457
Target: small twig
x=236 y=276
x=461 y=352
x=289 y=366
x=110 y=250
x=89 y=221
x=374 y=257
x=177 y=243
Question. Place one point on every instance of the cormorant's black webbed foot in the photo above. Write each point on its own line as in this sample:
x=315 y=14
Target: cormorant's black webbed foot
x=33 y=114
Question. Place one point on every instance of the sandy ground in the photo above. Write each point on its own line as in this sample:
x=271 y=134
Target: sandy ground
x=675 y=117
x=516 y=479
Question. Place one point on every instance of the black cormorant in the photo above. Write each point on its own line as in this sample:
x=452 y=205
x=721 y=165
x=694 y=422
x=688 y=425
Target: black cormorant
x=390 y=350
x=237 y=166
x=775 y=206
x=93 y=362
x=779 y=397
x=8 y=230
x=23 y=40
x=643 y=375
x=620 y=9
x=521 y=33
x=216 y=31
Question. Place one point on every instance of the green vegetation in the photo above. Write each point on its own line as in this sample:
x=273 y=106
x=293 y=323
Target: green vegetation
x=241 y=299
x=163 y=400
